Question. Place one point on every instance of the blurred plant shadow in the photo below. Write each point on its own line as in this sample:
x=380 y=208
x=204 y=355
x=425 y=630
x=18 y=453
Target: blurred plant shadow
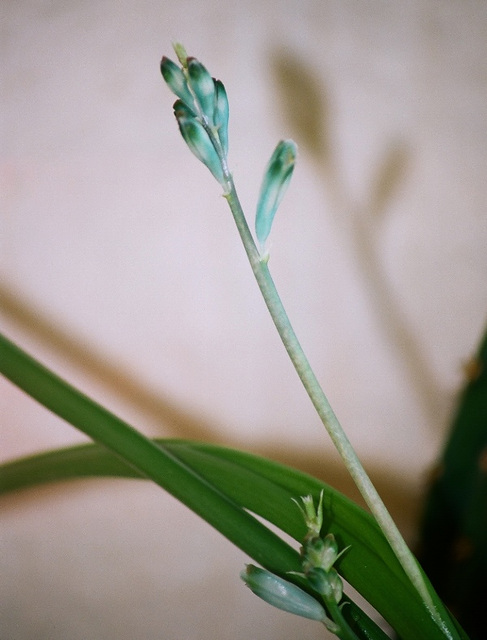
x=307 y=110
x=173 y=420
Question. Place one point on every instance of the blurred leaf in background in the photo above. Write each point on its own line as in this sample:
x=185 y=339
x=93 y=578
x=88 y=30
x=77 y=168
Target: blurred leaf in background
x=453 y=540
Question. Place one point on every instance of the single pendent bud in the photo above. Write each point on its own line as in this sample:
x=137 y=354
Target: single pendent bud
x=282 y=594
x=203 y=87
x=220 y=118
x=320 y=552
x=176 y=81
x=276 y=180
x=200 y=144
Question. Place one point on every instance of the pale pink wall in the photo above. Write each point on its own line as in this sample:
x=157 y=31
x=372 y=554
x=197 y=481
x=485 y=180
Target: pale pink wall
x=112 y=231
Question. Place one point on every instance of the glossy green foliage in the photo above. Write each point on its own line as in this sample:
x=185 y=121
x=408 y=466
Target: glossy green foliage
x=454 y=527
x=265 y=488
x=225 y=487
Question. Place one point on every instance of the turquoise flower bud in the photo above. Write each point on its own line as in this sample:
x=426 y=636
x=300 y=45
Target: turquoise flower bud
x=319 y=552
x=221 y=115
x=282 y=594
x=201 y=111
x=203 y=87
x=181 y=110
x=199 y=142
x=276 y=180
x=326 y=583
x=176 y=81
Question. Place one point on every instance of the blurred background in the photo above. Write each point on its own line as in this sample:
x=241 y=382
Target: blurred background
x=121 y=269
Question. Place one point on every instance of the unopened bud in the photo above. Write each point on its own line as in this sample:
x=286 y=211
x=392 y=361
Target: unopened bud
x=203 y=87
x=326 y=583
x=282 y=594
x=313 y=516
x=200 y=144
x=329 y=552
x=319 y=552
x=276 y=180
x=221 y=115
x=176 y=81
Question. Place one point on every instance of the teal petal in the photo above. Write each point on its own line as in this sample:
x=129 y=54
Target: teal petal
x=181 y=110
x=221 y=115
x=276 y=180
x=203 y=87
x=200 y=144
x=176 y=81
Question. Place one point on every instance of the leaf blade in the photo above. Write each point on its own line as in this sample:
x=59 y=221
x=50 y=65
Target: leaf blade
x=265 y=488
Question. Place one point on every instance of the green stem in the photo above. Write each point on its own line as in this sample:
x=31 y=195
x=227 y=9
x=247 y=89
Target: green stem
x=345 y=633
x=323 y=408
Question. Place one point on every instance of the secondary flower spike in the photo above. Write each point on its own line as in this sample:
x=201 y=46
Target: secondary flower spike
x=276 y=180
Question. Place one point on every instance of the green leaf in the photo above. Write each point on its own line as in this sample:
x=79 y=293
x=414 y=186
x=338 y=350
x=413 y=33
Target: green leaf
x=222 y=486
x=266 y=488
x=181 y=54
x=138 y=456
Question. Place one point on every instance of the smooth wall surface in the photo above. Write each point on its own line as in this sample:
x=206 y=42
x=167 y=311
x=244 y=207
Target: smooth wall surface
x=120 y=267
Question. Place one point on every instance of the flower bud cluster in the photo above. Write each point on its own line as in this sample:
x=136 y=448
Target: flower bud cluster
x=318 y=555
x=201 y=110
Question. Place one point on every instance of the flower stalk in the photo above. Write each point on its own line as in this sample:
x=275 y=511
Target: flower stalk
x=206 y=108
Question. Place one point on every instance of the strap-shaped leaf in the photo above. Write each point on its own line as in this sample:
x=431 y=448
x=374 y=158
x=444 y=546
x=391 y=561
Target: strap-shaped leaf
x=222 y=486
x=265 y=488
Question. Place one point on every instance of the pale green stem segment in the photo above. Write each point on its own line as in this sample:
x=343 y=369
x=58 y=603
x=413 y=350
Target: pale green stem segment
x=320 y=401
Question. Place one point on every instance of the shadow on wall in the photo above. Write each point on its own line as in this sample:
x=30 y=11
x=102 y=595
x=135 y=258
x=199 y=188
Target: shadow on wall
x=307 y=109
x=174 y=421
x=306 y=106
